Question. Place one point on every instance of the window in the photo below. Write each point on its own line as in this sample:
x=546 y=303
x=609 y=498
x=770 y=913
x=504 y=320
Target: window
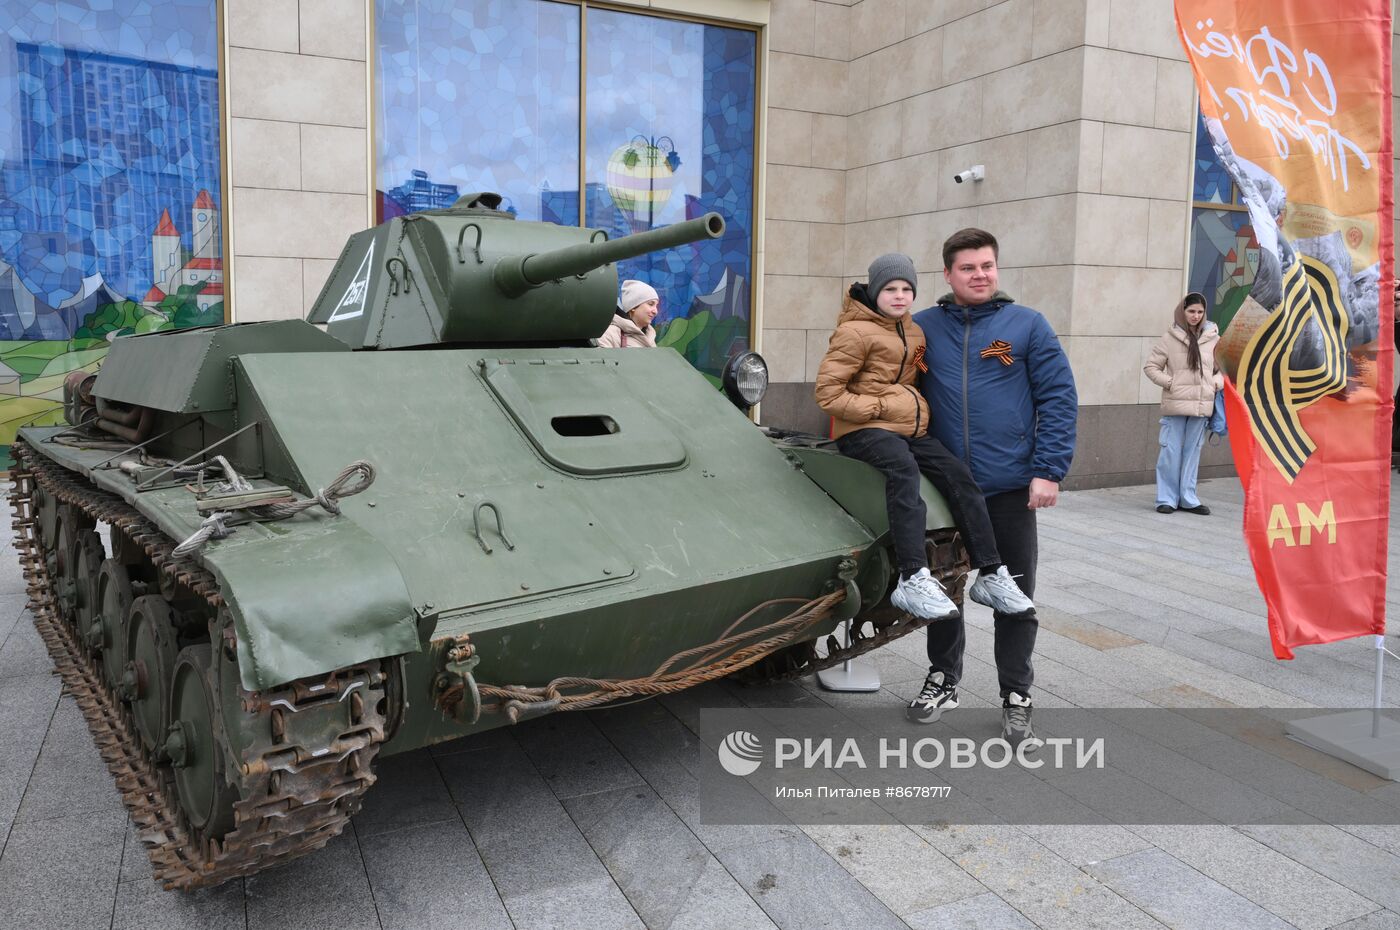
x=481 y=95
x=647 y=122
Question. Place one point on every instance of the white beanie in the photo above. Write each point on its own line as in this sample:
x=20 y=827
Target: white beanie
x=636 y=292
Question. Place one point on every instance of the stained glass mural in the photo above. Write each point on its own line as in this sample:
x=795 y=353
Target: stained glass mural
x=1224 y=258
x=1224 y=253
x=485 y=95
x=670 y=136
x=1211 y=182
x=479 y=95
x=109 y=186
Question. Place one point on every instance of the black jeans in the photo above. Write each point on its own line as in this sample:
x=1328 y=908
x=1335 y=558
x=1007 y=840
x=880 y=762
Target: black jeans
x=901 y=459
x=1014 y=635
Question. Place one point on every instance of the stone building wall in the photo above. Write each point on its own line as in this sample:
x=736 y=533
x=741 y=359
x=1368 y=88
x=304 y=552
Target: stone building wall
x=297 y=148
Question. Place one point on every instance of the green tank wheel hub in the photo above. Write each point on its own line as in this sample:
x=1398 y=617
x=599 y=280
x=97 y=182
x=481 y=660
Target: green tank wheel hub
x=87 y=565
x=45 y=517
x=150 y=661
x=60 y=562
x=205 y=794
x=114 y=599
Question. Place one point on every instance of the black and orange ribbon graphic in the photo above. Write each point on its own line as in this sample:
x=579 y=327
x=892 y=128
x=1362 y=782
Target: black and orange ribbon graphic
x=1273 y=391
x=1001 y=351
x=919 y=362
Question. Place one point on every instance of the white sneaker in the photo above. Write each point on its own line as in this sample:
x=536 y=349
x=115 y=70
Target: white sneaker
x=922 y=596
x=1000 y=592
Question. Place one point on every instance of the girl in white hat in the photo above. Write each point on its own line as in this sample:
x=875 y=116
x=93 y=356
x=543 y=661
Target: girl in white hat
x=631 y=325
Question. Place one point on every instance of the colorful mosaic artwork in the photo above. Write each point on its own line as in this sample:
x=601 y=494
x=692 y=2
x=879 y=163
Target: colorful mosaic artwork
x=670 y=136
x=109 y=186
x=1211 y=182
x=1224 y=253
x=484 y=95
x=1224 y=258
x=478 y=96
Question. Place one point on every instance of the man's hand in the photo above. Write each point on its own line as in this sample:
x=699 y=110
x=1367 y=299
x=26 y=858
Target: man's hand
x=1044 y=493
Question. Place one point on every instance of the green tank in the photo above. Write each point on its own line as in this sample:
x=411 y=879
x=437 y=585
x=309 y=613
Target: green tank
x=263 y=555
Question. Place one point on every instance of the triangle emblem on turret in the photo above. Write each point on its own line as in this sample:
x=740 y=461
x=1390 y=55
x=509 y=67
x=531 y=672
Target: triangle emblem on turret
x=352 y=302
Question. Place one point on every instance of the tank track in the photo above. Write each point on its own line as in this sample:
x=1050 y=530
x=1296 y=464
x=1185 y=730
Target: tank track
x=303 y=773
x=949 y=564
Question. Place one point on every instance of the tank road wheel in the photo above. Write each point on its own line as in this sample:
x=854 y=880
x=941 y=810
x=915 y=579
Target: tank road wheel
x=191 y=743
x=130 y=555
x=109 y=621
x=60 y=561
x=45 y=517
x=150 y=661
x=87 y=565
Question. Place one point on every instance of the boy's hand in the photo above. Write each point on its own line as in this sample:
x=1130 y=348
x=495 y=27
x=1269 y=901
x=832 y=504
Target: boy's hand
x=1044 y=493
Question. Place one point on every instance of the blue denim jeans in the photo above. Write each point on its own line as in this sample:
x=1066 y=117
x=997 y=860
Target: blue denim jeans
x=1179 y=460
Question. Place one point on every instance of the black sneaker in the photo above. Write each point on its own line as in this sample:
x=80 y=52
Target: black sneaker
x=1165 y=508
x=1016 y=722
x=936 y=696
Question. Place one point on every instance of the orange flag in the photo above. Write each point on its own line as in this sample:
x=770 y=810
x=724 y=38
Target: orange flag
x=1295 y=95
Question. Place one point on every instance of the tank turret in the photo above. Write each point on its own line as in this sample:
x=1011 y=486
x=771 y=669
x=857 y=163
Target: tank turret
x=472 y=275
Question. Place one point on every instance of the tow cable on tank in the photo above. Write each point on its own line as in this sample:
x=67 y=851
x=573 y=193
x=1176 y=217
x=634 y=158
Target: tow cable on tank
x=353 y=478
x=518 y=702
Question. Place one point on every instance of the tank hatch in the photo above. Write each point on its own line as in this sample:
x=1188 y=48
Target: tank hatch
x=581 y=417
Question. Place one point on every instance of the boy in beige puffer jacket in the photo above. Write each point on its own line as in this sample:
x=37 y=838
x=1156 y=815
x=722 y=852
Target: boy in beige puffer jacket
x=1183 y=365
x=868 y=382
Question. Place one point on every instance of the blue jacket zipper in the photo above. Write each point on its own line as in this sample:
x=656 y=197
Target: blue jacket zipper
x=899 y=328
x=967 y=432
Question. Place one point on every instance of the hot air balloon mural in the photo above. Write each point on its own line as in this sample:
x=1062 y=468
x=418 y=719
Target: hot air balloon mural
x=639 y=178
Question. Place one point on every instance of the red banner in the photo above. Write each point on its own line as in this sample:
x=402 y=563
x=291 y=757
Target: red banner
x=1296 y=100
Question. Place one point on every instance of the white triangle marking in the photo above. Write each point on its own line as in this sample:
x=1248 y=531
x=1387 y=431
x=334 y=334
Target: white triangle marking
x=352 y=302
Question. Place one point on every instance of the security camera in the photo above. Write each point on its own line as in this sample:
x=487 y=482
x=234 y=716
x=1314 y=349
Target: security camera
x=975 y=173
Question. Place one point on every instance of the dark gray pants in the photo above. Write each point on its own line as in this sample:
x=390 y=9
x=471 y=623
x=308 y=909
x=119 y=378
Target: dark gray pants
x=901 y=459
x=1014 y=635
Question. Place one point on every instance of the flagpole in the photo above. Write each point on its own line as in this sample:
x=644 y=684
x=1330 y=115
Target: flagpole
x=1380 y=686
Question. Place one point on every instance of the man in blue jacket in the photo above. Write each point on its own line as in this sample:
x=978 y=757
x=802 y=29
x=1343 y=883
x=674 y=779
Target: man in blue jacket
x=1001 y=396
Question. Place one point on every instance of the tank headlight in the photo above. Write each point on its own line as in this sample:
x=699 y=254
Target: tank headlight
x=746 y=379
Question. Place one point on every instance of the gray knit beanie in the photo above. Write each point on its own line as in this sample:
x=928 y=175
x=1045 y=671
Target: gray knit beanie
x=891 y=267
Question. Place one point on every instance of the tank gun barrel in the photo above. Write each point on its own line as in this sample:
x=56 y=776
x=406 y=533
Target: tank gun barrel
x=516 y=274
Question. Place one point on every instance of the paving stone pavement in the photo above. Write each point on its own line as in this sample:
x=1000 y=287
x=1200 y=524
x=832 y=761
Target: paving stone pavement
x=593 y=820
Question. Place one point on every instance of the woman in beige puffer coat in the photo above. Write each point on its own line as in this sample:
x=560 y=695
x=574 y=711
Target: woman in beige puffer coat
x=1183 y=365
